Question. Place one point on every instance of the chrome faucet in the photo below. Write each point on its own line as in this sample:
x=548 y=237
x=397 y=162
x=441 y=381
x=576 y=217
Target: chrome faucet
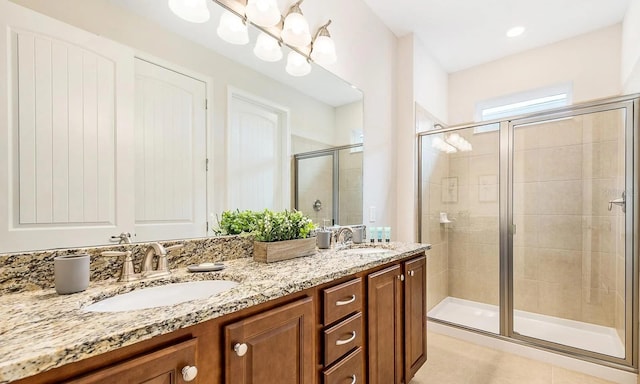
x=341 y=232
x=154 y=252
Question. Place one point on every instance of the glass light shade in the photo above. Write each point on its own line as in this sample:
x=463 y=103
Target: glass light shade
x=324 y=50
x=297 y=65
x=195 y=11
x=264 y=13
x=232 y=29
x=267 y=48
x=295 y=31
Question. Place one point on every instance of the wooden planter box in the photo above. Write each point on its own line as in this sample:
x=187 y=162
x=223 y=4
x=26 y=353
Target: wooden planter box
x=283 y=250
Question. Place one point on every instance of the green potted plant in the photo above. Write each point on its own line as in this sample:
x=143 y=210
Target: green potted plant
x=277 y=235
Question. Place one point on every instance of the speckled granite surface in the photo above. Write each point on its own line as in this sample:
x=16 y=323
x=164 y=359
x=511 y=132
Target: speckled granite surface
x=40 y=330
x=34 y=270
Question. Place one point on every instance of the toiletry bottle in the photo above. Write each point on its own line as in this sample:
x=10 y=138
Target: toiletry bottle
x=380 y=234
x=387 y=234
x=371 y=235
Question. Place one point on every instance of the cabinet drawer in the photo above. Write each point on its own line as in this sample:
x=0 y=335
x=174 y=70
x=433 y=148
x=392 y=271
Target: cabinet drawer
x=342 y=337
x=342 y=300
x=349 y=370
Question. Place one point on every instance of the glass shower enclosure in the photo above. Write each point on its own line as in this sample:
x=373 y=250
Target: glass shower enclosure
x=533 y=226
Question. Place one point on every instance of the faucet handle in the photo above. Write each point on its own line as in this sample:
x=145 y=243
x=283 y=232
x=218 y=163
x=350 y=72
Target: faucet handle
x=127 y=273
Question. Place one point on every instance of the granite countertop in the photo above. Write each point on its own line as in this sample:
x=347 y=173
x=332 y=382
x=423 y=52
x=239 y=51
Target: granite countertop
x=41 y=330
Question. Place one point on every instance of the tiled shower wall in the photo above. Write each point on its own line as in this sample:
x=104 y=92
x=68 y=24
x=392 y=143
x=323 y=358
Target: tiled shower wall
x=568 y=248
x=565 y=173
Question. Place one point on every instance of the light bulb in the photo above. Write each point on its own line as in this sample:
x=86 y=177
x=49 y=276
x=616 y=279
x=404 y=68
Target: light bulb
x=264 y=13
x=295 y=30
x=297 y=65
x=267 y=48
x=324 y=50
x=195 y=11
x=232 y=29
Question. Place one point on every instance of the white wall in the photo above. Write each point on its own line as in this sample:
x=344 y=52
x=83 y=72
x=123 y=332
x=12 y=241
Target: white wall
x=631 y=49
x=420 y=79
x=590 y=61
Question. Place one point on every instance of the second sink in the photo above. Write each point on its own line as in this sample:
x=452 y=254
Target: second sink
x=161 y=296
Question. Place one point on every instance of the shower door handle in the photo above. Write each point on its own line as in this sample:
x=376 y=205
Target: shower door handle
x=622 y=202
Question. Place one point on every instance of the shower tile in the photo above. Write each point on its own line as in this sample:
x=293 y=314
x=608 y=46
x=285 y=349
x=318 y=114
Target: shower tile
x=526 y=137
x=560 y=197
x=561 y=163
x=526 y=166
x=526 y=231
x=560 y=300
x=560 y=133
x=560 y=232
x=560 y=266
x=525 y=198
x=458 y=254
x=598 y=307
x=526 y=295
x=459 y=167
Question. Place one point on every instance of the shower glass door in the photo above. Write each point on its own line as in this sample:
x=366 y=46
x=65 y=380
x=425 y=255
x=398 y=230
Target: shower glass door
x=570 y=244
x=460 y=216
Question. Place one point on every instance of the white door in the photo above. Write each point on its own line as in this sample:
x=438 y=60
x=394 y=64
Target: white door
x=170 y=160
x=66 y=139
x=258 y=168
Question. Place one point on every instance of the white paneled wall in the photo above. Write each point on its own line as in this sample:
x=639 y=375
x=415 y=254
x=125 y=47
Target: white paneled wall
x=66 y=132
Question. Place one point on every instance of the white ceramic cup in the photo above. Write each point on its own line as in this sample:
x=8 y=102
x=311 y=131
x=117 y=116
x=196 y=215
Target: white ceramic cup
x=71 y=273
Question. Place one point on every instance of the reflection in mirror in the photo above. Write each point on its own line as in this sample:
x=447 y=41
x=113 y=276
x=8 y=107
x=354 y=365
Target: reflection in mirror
x=318 y=111
x=328 y=185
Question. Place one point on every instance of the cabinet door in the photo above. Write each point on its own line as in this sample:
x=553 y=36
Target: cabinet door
x=160 y=367
x=385 y=326
x=274 y=347
x=415 y=316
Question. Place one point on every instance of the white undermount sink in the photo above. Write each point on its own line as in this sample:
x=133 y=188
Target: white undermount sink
x=161 y=296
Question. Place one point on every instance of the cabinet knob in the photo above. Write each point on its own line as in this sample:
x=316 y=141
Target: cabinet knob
x=401 y=277
x=411 y=273
x=189 y=373
x=241 y=349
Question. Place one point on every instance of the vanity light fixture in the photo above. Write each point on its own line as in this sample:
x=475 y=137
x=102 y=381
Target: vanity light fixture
x=233 y=29
x=264 y=13
x=295 y=30
x=323 y=49
x=297 y=65
x=267 y=48
x=195 y=11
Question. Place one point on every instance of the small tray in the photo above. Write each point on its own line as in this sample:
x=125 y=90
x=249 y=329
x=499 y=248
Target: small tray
x=205 y=267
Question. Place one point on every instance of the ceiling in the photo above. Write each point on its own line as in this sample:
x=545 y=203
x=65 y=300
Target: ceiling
x=464 y=33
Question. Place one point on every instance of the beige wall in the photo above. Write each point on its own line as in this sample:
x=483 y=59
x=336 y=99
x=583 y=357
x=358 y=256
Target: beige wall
x=631 y=49
x=591 y=62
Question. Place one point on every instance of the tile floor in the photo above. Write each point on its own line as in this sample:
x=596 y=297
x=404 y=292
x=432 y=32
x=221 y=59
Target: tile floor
x=453 y=361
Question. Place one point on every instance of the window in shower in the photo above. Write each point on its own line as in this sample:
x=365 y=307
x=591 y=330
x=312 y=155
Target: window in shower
x=522 y=103
x=460 y=219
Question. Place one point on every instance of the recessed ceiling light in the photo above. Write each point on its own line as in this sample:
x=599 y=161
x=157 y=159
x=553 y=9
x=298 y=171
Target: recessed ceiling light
x=515 y=31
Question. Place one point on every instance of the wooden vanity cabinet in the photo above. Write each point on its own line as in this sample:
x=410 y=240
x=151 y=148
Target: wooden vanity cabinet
x=273 y=347
x=397 y=337
x=164 y=366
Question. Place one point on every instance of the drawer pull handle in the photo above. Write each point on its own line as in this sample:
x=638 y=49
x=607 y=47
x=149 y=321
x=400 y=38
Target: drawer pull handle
x=189 y=373
x=347 y=341
x=353 y=379
x=240 y=349
x=340 y=303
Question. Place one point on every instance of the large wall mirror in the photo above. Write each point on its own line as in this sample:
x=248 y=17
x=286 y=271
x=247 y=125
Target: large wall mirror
x=153 y=126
